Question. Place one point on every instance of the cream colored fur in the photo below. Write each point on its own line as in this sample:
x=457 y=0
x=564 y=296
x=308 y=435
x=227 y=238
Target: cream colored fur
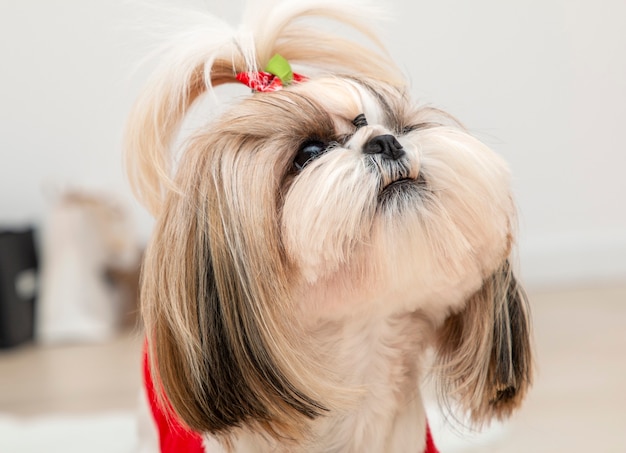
x=291 y=311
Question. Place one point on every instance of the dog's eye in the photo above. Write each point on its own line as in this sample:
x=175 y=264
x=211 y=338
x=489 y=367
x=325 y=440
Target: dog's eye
x=408 y=129
x=415 y=127
x=309 y=151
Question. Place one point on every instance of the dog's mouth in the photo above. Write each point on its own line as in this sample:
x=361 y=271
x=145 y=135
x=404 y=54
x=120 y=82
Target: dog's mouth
x=401 y=186
x=403 y=180
x=396 y=178
x=398 y=184
x=396 y=187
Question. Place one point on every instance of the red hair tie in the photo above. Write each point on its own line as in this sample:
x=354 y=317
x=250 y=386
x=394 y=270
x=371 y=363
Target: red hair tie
x=277 y=74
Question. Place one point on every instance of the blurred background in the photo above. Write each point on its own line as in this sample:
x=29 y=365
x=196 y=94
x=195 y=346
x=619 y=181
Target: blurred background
x=542 y=82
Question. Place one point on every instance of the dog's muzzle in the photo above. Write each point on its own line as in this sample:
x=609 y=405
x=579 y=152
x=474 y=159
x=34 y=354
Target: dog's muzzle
x=390 y=160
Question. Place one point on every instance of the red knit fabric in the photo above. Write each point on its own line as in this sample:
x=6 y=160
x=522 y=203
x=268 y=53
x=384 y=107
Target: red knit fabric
x=430 y=444
x=175 y=438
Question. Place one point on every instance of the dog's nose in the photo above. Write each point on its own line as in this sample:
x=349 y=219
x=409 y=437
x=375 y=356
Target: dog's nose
x=387 y=145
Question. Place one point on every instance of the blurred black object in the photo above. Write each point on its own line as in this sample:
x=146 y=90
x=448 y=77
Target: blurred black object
x=18 y=286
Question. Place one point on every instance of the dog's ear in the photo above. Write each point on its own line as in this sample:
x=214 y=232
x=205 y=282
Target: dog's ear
x=484 y=352
x=212 y=296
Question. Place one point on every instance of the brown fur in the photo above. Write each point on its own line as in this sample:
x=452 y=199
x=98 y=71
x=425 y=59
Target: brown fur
x=484 y=351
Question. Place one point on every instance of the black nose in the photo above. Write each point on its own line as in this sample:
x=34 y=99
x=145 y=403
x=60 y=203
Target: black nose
x=387 y=145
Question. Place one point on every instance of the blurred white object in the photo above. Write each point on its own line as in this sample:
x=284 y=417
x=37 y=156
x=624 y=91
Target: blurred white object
x=114 y=432
x=87 y=239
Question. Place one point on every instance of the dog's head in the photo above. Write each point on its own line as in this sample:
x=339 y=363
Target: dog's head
x=332 y=195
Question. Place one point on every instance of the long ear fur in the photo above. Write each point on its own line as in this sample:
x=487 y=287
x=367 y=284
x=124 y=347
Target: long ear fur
x=214 y=330
x=484 y=352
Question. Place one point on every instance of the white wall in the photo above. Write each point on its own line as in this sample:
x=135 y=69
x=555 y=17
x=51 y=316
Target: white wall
x=65 y=90
x=543 y=82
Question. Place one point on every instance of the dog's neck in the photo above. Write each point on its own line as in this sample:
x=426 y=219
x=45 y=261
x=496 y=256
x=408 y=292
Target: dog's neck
x=379 y=356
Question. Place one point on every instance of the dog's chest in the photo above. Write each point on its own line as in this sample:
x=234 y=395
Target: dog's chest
x=379 y=358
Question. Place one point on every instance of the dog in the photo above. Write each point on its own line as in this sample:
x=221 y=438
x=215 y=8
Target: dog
x=315 y=243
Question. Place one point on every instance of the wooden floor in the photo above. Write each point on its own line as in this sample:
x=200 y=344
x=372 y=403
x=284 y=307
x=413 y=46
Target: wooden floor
x=578 y=403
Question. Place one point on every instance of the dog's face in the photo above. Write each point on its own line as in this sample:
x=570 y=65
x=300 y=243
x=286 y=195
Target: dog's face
x=406 y=205
x=331 y=198
x=409 y=207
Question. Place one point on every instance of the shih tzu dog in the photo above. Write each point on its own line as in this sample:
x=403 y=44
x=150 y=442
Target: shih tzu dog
x=316 y=244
